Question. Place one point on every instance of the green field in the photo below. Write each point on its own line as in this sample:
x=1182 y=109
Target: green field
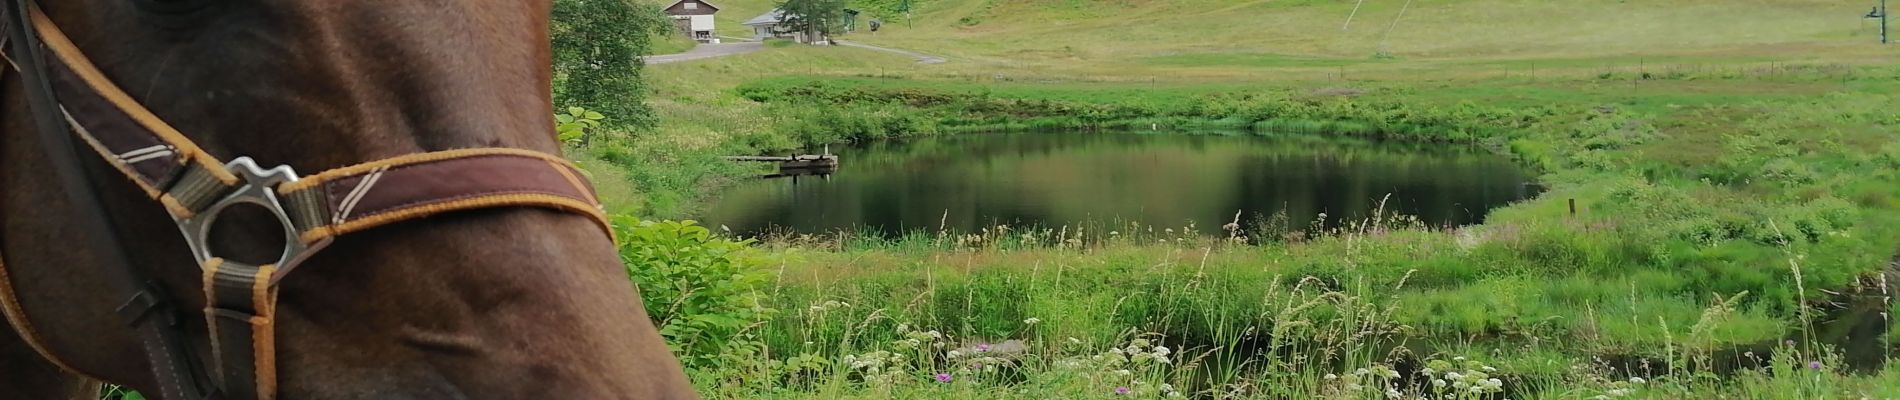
x=1734 y=165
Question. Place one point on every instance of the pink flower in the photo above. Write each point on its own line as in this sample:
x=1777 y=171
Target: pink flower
x=1814 y=365
x=1121 y=390
x=944 y=377
x=982 y=347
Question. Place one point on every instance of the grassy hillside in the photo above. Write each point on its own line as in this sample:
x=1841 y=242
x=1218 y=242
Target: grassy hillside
x=1733 y=161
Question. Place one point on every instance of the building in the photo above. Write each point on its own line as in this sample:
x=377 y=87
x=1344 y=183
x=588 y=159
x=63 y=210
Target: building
x=694 y=18
x=766 y=26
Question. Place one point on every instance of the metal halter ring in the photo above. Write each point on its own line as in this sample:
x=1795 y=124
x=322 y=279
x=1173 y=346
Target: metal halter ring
x=259 y=187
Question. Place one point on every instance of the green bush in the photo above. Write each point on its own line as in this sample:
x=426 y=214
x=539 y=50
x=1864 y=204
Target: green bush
x=703 y=292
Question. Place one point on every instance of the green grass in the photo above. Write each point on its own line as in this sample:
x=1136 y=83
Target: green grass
x=672 y=43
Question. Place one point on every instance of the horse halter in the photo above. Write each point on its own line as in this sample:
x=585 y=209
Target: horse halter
x=67 y=93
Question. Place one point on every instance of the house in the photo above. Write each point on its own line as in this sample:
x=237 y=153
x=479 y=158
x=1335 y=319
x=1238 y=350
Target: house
x=766 y=26
x=694 y=18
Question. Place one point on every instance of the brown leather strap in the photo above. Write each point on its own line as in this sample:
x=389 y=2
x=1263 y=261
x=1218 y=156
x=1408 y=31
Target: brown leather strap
x=240 y=309
x=377 y=193
x=147 y=150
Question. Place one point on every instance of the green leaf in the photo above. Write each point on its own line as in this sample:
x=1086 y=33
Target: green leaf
x=593 y=116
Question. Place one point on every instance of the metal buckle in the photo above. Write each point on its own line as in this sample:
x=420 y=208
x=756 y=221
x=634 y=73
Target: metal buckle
x=259 y=187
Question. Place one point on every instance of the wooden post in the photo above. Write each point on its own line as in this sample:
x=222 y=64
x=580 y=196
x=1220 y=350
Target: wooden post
x=1573 y=207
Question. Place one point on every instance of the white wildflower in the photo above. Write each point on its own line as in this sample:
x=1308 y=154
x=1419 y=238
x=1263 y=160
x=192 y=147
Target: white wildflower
x=1032 y=321
x=1123 y=372
x=1637 y=380
x=1392 y=393
x=1488 y=368
x=1331 y=377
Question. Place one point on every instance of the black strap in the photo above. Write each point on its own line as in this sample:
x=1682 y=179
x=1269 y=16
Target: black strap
x=148 y=312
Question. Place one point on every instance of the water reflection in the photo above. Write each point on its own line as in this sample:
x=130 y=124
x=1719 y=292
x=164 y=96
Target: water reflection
x=968 y=182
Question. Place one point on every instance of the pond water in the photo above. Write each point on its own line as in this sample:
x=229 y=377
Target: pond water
x=964 y=183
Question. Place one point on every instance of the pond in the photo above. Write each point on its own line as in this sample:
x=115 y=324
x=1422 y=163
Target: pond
x=963 y=183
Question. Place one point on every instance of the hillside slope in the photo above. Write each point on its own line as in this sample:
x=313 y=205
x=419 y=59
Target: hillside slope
x=1191 y=32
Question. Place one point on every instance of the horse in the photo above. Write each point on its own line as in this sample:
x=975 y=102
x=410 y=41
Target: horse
x=485 y=303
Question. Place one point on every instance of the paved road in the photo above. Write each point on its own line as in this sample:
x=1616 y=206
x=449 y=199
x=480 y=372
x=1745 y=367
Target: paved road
x=706 y=51
x=921 y=57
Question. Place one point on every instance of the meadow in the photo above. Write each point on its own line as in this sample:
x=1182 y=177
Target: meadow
x=1732 y=167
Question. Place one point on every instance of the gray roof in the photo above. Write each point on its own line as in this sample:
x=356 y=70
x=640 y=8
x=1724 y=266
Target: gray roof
x=768 y=18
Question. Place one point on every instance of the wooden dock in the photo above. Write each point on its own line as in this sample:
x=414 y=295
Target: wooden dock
x=806 y=164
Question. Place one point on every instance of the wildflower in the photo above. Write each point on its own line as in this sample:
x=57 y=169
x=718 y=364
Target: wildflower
x=1477 y=389
x=1618 y=392
x=1032 y=321
x=1331 y=377
x=1814 y=365
x=1790 y=342
x=1167 y=388
x=1124 y=372
x=1459 y=358
x=944 y=377
x=1454 y=376
x=1361 y=371
x=1162 y=350
x=1637 y=380
x=1392 y=393
x=954 y=354
x=1493 y=383
x=1428 y=371
x=1488 y=368
x=981 y=347
x=1438 y=383
x=1391 y=374
x=1121 y=390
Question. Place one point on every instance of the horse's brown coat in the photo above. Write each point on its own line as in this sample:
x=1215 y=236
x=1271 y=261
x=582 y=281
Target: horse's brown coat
x=494 y=304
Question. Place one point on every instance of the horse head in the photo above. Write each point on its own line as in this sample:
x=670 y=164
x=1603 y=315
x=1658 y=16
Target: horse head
x=497 y=303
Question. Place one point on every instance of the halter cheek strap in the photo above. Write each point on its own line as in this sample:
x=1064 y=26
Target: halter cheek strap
x=195 y=187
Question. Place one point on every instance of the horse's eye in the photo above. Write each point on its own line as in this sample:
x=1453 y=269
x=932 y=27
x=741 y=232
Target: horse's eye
x=173 y=6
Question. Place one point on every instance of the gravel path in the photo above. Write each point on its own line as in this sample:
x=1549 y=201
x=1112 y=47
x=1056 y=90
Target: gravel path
x=706 y=51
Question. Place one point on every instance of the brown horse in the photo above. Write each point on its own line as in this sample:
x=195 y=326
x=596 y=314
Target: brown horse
x=503 y=303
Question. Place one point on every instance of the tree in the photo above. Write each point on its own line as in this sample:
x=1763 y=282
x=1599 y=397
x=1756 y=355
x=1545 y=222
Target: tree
x=816 y=18
x=597 y=65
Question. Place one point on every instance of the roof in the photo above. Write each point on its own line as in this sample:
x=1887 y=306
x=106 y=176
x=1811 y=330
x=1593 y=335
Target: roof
x=715 y=7
x=768 y=18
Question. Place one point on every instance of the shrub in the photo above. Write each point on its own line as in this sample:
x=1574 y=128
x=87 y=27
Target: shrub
x=702 y=291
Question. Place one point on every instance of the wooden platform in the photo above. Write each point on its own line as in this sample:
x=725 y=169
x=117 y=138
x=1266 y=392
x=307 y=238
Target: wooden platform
x=806 y=164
